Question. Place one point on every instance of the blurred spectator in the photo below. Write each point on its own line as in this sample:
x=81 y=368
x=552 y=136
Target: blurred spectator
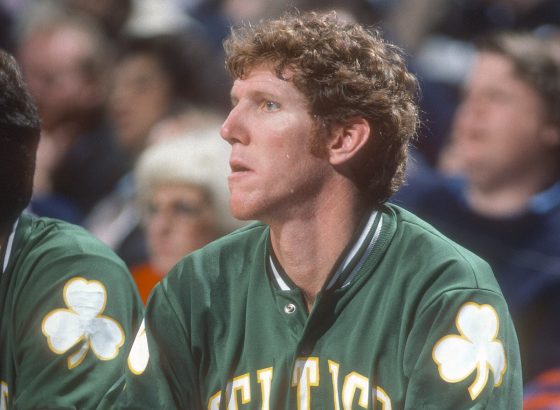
x=153 y=80
x=507 y=208
x=156 y=77
x=147 y=86
x=182 y=192
x=439 y=35
x=66 y=61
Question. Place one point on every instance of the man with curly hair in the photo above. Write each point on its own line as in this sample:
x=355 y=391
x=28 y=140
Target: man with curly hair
x=335 y=299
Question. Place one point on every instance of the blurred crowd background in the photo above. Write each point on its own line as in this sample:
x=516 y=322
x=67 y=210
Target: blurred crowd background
x=132 y=93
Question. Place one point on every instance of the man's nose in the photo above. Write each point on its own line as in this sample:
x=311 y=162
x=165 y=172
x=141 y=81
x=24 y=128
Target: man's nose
x=233 y=128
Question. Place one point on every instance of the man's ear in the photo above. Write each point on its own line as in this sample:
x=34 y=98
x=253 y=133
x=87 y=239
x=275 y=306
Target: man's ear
x=347 y=139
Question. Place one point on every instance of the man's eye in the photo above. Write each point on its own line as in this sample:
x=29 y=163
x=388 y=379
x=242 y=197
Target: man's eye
x=271 y=106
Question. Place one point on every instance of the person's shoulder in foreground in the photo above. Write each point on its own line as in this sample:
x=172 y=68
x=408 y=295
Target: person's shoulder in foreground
x=68 y=305
x=335 y=299
x=69 y=315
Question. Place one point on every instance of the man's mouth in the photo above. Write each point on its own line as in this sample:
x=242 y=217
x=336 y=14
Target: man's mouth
x=237 y=167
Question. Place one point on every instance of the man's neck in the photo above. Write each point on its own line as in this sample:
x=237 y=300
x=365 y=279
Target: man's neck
x=309 y=246
x=510 y=192
x=504 y=200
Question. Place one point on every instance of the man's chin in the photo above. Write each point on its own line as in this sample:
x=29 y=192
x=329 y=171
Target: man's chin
x=242 y=211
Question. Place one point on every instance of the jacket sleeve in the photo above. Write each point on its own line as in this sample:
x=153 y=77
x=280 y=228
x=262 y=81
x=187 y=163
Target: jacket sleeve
x=161 y=369
x=462 y=353
x=76 y=313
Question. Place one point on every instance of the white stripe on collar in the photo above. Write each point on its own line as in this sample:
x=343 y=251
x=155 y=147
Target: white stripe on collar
x=281 y=283
x=365 y=255
x=357 y=246
x=347 y=260
x=9 y=245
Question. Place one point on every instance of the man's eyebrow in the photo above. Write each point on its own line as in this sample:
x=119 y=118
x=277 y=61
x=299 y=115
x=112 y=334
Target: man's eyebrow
x=254 y=94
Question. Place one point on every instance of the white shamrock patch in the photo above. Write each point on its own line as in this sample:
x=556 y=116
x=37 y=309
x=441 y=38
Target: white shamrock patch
x=139 y=353
x=476 y=348
x=83 y=323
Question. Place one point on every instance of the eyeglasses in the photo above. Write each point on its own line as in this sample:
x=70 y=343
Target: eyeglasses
x=175 y=209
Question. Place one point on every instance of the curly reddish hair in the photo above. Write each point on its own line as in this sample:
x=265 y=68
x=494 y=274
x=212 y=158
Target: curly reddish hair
x=345 y=71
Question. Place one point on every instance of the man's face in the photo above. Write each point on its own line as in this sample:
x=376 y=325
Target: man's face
x=499 y=124
x=51 y=65
x=178 y=220
x=274 y=175
x=140 y=97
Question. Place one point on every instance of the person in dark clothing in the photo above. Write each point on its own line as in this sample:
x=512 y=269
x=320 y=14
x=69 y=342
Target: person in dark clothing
x=506 y=206
x=65 y=59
